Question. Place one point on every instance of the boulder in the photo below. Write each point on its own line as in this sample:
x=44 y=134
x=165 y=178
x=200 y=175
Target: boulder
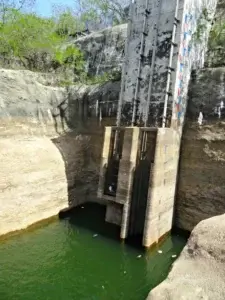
x=199 y=272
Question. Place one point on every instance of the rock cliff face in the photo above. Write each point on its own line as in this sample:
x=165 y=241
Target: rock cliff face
x=103 y=50
x=51 y=137
x=50 y=145
x=69 y=122
x=216 y=56
x=201 y=192
x=199 y=271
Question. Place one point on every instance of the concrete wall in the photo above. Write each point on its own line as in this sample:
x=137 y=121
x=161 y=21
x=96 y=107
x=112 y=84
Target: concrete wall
x=114 y=213
x=160 y=209
x=165 y=26
x=162 y=183
x=189 y=53
x=118 y=207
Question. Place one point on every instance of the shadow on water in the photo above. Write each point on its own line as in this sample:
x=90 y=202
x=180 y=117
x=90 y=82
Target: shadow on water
x=91 y=217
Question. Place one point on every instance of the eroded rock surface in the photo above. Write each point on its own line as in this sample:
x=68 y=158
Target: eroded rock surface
x=103 y=50
x=201 y=190
x=199 y=271
x=50 y=145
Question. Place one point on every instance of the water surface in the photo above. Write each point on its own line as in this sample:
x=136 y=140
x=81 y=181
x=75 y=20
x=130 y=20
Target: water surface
x=80 y=258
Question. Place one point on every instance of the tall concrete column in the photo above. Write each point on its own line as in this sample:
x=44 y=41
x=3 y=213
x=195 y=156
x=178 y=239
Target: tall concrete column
x=161 y=194
x=157 y=76
x=104 y=161
x=148 y=81
x=126 y=174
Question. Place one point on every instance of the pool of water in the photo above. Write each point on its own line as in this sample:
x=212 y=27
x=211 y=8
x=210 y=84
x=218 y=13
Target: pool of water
x=81 y=258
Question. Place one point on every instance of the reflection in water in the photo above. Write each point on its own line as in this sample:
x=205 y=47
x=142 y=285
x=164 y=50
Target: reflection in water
x=67 y=260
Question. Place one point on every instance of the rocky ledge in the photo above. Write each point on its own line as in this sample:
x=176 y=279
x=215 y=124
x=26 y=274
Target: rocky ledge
x=199 y=272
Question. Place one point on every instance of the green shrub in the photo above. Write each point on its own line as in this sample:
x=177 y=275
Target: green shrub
x=35 y=41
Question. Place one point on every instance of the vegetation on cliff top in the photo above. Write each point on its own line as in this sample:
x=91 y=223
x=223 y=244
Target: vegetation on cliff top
x=217 y=34
x=38 y=43
x=34 y=40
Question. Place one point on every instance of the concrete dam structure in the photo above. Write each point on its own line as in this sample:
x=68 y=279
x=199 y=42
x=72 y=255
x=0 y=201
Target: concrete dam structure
x=140 y=155
x=71 y=156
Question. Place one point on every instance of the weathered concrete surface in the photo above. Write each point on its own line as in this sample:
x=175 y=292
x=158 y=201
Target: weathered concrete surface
x=128 y=164
x=150 y=56
x=43 y=166
x=199 y=271
x=114 y=213
x=119 y=206
x=186 y=54
x=201 y=191
x=160 y=208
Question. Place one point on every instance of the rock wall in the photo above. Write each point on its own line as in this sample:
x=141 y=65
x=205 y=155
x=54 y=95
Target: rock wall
x=50 y=145
x=68 y=124
x=201 y=191
x=199 y=271
x=103 y=50
x=215 y=55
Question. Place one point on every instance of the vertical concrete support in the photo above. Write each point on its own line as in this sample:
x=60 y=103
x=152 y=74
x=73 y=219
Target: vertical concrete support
x=114 y=213
x=126 y=172
x=104 y=161
x=161 y=195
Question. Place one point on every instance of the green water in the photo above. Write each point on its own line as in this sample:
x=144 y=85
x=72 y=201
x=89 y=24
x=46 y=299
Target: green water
x=66 y=260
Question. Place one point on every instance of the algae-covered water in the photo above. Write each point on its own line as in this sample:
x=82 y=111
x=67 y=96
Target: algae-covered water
x=81 y=258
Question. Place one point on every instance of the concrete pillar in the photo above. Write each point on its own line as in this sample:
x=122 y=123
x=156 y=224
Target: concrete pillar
x=125 y=178
x=161 y=194
x=104 y=161
x=114 y=213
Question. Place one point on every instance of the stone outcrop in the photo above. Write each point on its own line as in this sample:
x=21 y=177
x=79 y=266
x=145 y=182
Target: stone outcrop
x=103 y=50
x=51 y=137
x=50 y=145
x=199 y=271
x=201 y=191
x=33 y=111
